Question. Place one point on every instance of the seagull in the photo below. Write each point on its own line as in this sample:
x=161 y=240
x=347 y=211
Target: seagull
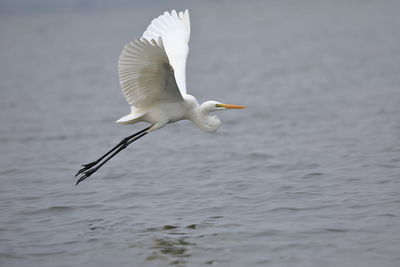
x=152 y=77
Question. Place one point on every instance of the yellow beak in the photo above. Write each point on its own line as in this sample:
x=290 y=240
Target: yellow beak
x=229 y=106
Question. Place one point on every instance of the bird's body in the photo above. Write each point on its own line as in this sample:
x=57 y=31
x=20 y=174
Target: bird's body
x=168 y=112
x=152 y=77
x=159 y=113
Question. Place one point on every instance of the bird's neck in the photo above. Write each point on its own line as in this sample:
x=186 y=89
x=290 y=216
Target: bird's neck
x=202 y=119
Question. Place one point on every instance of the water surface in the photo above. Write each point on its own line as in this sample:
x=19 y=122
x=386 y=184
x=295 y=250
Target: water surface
x=308 y=175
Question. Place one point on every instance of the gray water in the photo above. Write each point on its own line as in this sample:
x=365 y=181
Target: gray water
x=307 y=175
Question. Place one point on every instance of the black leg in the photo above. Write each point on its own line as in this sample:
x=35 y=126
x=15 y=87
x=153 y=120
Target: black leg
x=123 y=141
x=87 y=171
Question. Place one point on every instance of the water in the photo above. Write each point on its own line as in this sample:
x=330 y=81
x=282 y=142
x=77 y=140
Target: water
x=308 y=175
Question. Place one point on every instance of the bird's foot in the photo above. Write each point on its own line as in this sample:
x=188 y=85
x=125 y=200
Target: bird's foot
x=86 y=174
x=86 y=167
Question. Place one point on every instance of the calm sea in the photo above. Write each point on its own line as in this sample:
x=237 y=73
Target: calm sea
x=307 y=175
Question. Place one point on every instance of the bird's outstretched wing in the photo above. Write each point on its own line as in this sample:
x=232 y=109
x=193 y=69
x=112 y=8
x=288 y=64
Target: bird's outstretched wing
x=174 y=29
x=146 y=75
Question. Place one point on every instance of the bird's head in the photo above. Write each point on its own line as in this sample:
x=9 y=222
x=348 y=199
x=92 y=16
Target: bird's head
x=211 y=123
x=210 y=106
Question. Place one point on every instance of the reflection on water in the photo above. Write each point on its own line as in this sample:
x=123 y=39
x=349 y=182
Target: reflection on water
x=174 y=243
x=172 y=248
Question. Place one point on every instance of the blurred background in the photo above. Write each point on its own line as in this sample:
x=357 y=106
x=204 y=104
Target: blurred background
x=307 y=175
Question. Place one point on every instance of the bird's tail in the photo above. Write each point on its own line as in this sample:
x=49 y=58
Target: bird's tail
x=132 y=117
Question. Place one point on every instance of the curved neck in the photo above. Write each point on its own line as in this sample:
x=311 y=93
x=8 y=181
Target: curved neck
x=204 y=121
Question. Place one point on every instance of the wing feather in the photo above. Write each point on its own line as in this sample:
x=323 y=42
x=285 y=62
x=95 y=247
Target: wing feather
x=146 y=75
x=174 y=30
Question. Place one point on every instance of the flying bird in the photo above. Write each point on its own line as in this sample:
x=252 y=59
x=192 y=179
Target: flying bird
x=152 y=77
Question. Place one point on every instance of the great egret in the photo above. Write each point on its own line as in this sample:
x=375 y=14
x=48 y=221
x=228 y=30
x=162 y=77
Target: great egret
x=152 y=78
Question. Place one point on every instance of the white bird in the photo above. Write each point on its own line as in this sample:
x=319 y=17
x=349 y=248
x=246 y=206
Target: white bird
x=152 y=78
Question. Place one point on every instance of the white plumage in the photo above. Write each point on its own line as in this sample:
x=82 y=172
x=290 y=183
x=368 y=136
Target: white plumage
x=144 y=65
x=175 y=33
x=146 y=75
x=152 y=78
